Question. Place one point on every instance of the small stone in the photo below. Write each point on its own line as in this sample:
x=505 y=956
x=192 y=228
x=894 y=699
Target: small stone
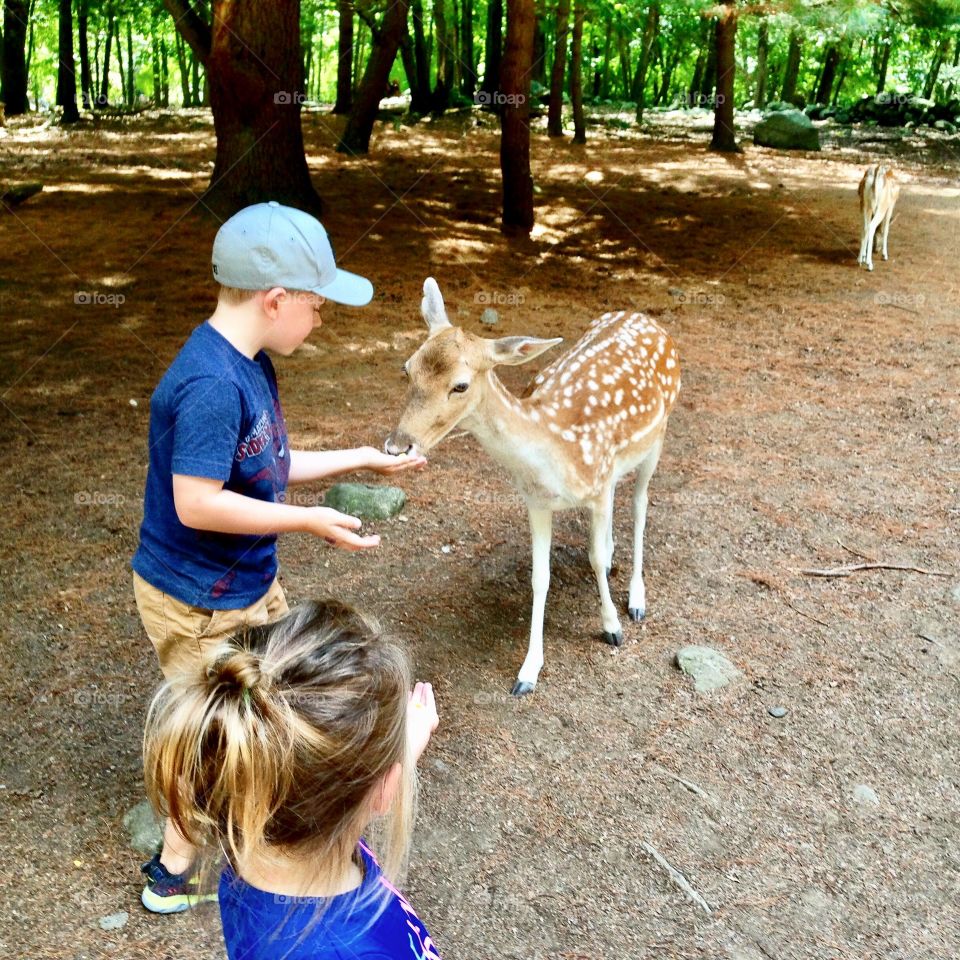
x=114 y=921
x=955 y=593
x=861 y=793
x=446 y=548
x=777 y=712
x=489 y=317
x=365 y=501
x=133 y=403
x=145 y=833
x=710 y=669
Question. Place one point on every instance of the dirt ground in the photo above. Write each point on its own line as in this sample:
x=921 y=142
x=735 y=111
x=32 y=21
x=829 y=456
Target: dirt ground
x=818 y=422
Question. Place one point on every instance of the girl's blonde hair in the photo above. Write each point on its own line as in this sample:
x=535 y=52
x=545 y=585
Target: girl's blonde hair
x=279 y=745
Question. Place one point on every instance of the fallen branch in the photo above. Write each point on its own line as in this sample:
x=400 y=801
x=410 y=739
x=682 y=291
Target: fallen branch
x=678 y=878
x=856 y=553
x=692 y=787
x=857 y=567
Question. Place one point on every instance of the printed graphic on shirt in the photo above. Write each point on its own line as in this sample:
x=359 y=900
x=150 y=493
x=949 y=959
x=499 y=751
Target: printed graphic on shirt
x=255 y=442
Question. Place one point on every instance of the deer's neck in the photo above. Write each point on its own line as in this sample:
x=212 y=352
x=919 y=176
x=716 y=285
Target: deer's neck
x=509 y=429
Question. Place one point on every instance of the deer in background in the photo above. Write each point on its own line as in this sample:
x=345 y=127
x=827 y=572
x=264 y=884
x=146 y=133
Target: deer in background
x=878 y=192
x=595 y=415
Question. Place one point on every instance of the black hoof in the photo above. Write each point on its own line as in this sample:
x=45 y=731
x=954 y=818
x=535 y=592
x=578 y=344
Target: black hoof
x=614 y=639
x=636 y=613
x=521 y=688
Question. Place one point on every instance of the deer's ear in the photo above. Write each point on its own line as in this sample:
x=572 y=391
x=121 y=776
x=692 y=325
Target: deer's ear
x=515 y=350
x=432 y=308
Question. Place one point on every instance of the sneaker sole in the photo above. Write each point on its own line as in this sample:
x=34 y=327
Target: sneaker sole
x=176 y=903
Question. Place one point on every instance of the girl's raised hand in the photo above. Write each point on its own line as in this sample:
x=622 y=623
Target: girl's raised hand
x=422 y=718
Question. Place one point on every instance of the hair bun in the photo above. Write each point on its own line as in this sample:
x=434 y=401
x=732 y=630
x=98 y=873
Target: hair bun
x=239 y=669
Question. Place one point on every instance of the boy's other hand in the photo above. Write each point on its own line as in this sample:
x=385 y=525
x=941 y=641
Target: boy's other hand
x=422 y=718
x=339 y=529
x=386 y=464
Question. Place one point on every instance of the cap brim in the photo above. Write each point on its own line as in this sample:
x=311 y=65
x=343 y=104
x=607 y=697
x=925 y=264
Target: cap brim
x=347 y=288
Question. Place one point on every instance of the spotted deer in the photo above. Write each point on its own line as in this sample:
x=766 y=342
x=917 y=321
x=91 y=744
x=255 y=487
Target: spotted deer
x=593 y=416
x=878 y=192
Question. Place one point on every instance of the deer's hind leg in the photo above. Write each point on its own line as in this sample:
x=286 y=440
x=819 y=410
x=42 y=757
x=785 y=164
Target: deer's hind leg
x=601 y=511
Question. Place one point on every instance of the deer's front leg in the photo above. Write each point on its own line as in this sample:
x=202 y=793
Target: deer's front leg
x=541 y=528
x=599 y=531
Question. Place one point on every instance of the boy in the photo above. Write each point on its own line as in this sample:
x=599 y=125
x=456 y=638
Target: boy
x=220 y=464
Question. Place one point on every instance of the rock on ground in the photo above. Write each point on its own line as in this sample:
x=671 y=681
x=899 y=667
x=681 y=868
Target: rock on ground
x=787 y=130
x=145 y=833
x=709 y=668
x=364 y=501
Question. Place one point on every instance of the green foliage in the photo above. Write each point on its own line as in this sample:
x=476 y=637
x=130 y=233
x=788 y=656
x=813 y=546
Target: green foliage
x=915 y=32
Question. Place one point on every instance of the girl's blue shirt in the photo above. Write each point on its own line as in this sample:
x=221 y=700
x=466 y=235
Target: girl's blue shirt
x=373 y=922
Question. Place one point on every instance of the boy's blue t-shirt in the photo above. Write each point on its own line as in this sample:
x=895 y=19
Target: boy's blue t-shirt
x=215 y=414
x=373 y=922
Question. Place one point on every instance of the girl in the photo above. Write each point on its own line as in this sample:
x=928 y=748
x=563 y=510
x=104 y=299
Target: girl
x=300 y=737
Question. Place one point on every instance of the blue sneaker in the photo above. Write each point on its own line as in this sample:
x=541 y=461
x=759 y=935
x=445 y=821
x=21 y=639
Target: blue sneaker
x=166 y=892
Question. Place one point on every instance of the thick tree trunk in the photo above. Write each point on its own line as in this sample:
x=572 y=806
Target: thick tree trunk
x=493 y=55
x=763 y=52
x=386 y=42
x=344 y=101
x=446 y=57
x=83 y=49
x=724 y=135
x=103 y=100
x=831 y=61
x=555 y=111
x=468 y=86
x=254 y=71
x=66 y=77
x=576 y=73
x=792 y=70
x=650 y=29
x=164 y=73
x=16 y=15
x=517 y=217
x=420 y=93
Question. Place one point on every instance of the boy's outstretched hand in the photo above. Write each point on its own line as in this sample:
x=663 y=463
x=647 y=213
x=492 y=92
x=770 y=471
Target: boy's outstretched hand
x=339 y=529
x=386 y=463
x=422 y=718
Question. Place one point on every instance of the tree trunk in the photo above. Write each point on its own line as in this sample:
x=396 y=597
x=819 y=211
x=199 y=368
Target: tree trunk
x=886 y=43
x=942 y=49
x=792 y=70
x=623 y=49
x=254 y=71
x=763 y=52
x=104 y=99
x=724 y=135
x=538 y=71
x=184 y=73
x=517 y=217
x=468 y=86
x=493 y=55
x=83 y=49
x=66 y=77
x=386 y=42
x=344 y=101
x=131 y=75
x=155 y=62
x=601 y=77
x=420 y=94
x=555 y=111
x=671 y=64
x=831 y=61
x=445 y=58
x=118 y=47
x=649 y=34
x=576 y=73
x=164 y=73
x=14 y=88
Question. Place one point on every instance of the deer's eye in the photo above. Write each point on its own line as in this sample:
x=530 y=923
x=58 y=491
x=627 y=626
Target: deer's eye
x=405 y=371
x=460 y=387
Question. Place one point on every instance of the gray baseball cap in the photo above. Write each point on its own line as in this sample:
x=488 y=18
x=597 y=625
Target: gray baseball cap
x=269 y=245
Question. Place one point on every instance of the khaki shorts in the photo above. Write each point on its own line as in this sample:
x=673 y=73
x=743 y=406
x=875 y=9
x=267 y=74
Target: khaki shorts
x=183 y=635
